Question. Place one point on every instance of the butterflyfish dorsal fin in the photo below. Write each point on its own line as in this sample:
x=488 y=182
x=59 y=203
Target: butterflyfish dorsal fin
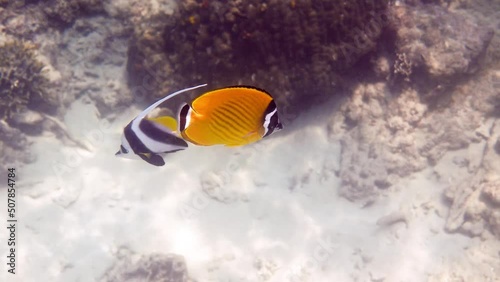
x=214 y=99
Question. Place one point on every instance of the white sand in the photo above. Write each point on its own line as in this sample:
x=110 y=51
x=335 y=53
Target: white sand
x=273 y=213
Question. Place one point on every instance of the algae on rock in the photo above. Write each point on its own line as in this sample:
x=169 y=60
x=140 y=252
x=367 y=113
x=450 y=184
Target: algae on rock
x=22 y=82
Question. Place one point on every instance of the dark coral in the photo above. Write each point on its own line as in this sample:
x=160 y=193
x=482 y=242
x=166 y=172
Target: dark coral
x=65 y=12
x=291 y=48
x=36 y=15
x=23 y=21
x=153 y=268
x=22 y=82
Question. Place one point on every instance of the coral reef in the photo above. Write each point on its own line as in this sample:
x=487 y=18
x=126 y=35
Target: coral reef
x=376 y=131
x=22 y=82
x=290 y=48
x=153 y=268
x=92 y=65
x=386 y=136
x=475 y=200
x=32 y=16
x=436 y=47
x=66 y=12
x=23 y=22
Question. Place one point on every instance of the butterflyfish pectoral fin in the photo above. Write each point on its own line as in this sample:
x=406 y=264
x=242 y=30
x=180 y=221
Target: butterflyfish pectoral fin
x=166 y=121
x=153 y=159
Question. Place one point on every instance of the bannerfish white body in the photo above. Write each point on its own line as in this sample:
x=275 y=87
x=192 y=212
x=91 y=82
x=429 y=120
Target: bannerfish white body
x=150 y=139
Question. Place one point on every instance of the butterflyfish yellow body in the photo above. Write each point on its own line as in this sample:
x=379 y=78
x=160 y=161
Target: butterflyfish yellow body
x=231 y=116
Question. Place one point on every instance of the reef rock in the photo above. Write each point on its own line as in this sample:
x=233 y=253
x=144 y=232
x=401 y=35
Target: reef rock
x=22 y=81
x=386 y=135
x=475 y=200
x=377 y=134
x=65 y=12
x=436 y=47
x=151 y=268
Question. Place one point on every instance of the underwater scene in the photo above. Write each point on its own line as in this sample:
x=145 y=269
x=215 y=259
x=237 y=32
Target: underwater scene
x=250 y=140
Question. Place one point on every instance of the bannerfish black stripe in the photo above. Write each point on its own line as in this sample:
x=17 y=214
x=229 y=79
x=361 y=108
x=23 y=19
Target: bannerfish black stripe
x=154 y=132
x=134 y=141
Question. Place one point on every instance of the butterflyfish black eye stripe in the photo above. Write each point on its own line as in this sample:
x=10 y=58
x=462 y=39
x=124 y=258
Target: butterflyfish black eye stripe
x=270 y=118
x=184 y=113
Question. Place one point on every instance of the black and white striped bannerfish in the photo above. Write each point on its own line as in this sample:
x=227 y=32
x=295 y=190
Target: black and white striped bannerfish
x=150 y=139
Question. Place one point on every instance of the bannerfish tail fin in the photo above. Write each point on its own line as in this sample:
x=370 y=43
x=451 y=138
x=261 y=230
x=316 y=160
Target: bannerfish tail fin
x=153 y=159
x=153 y=106
x=166 y=121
